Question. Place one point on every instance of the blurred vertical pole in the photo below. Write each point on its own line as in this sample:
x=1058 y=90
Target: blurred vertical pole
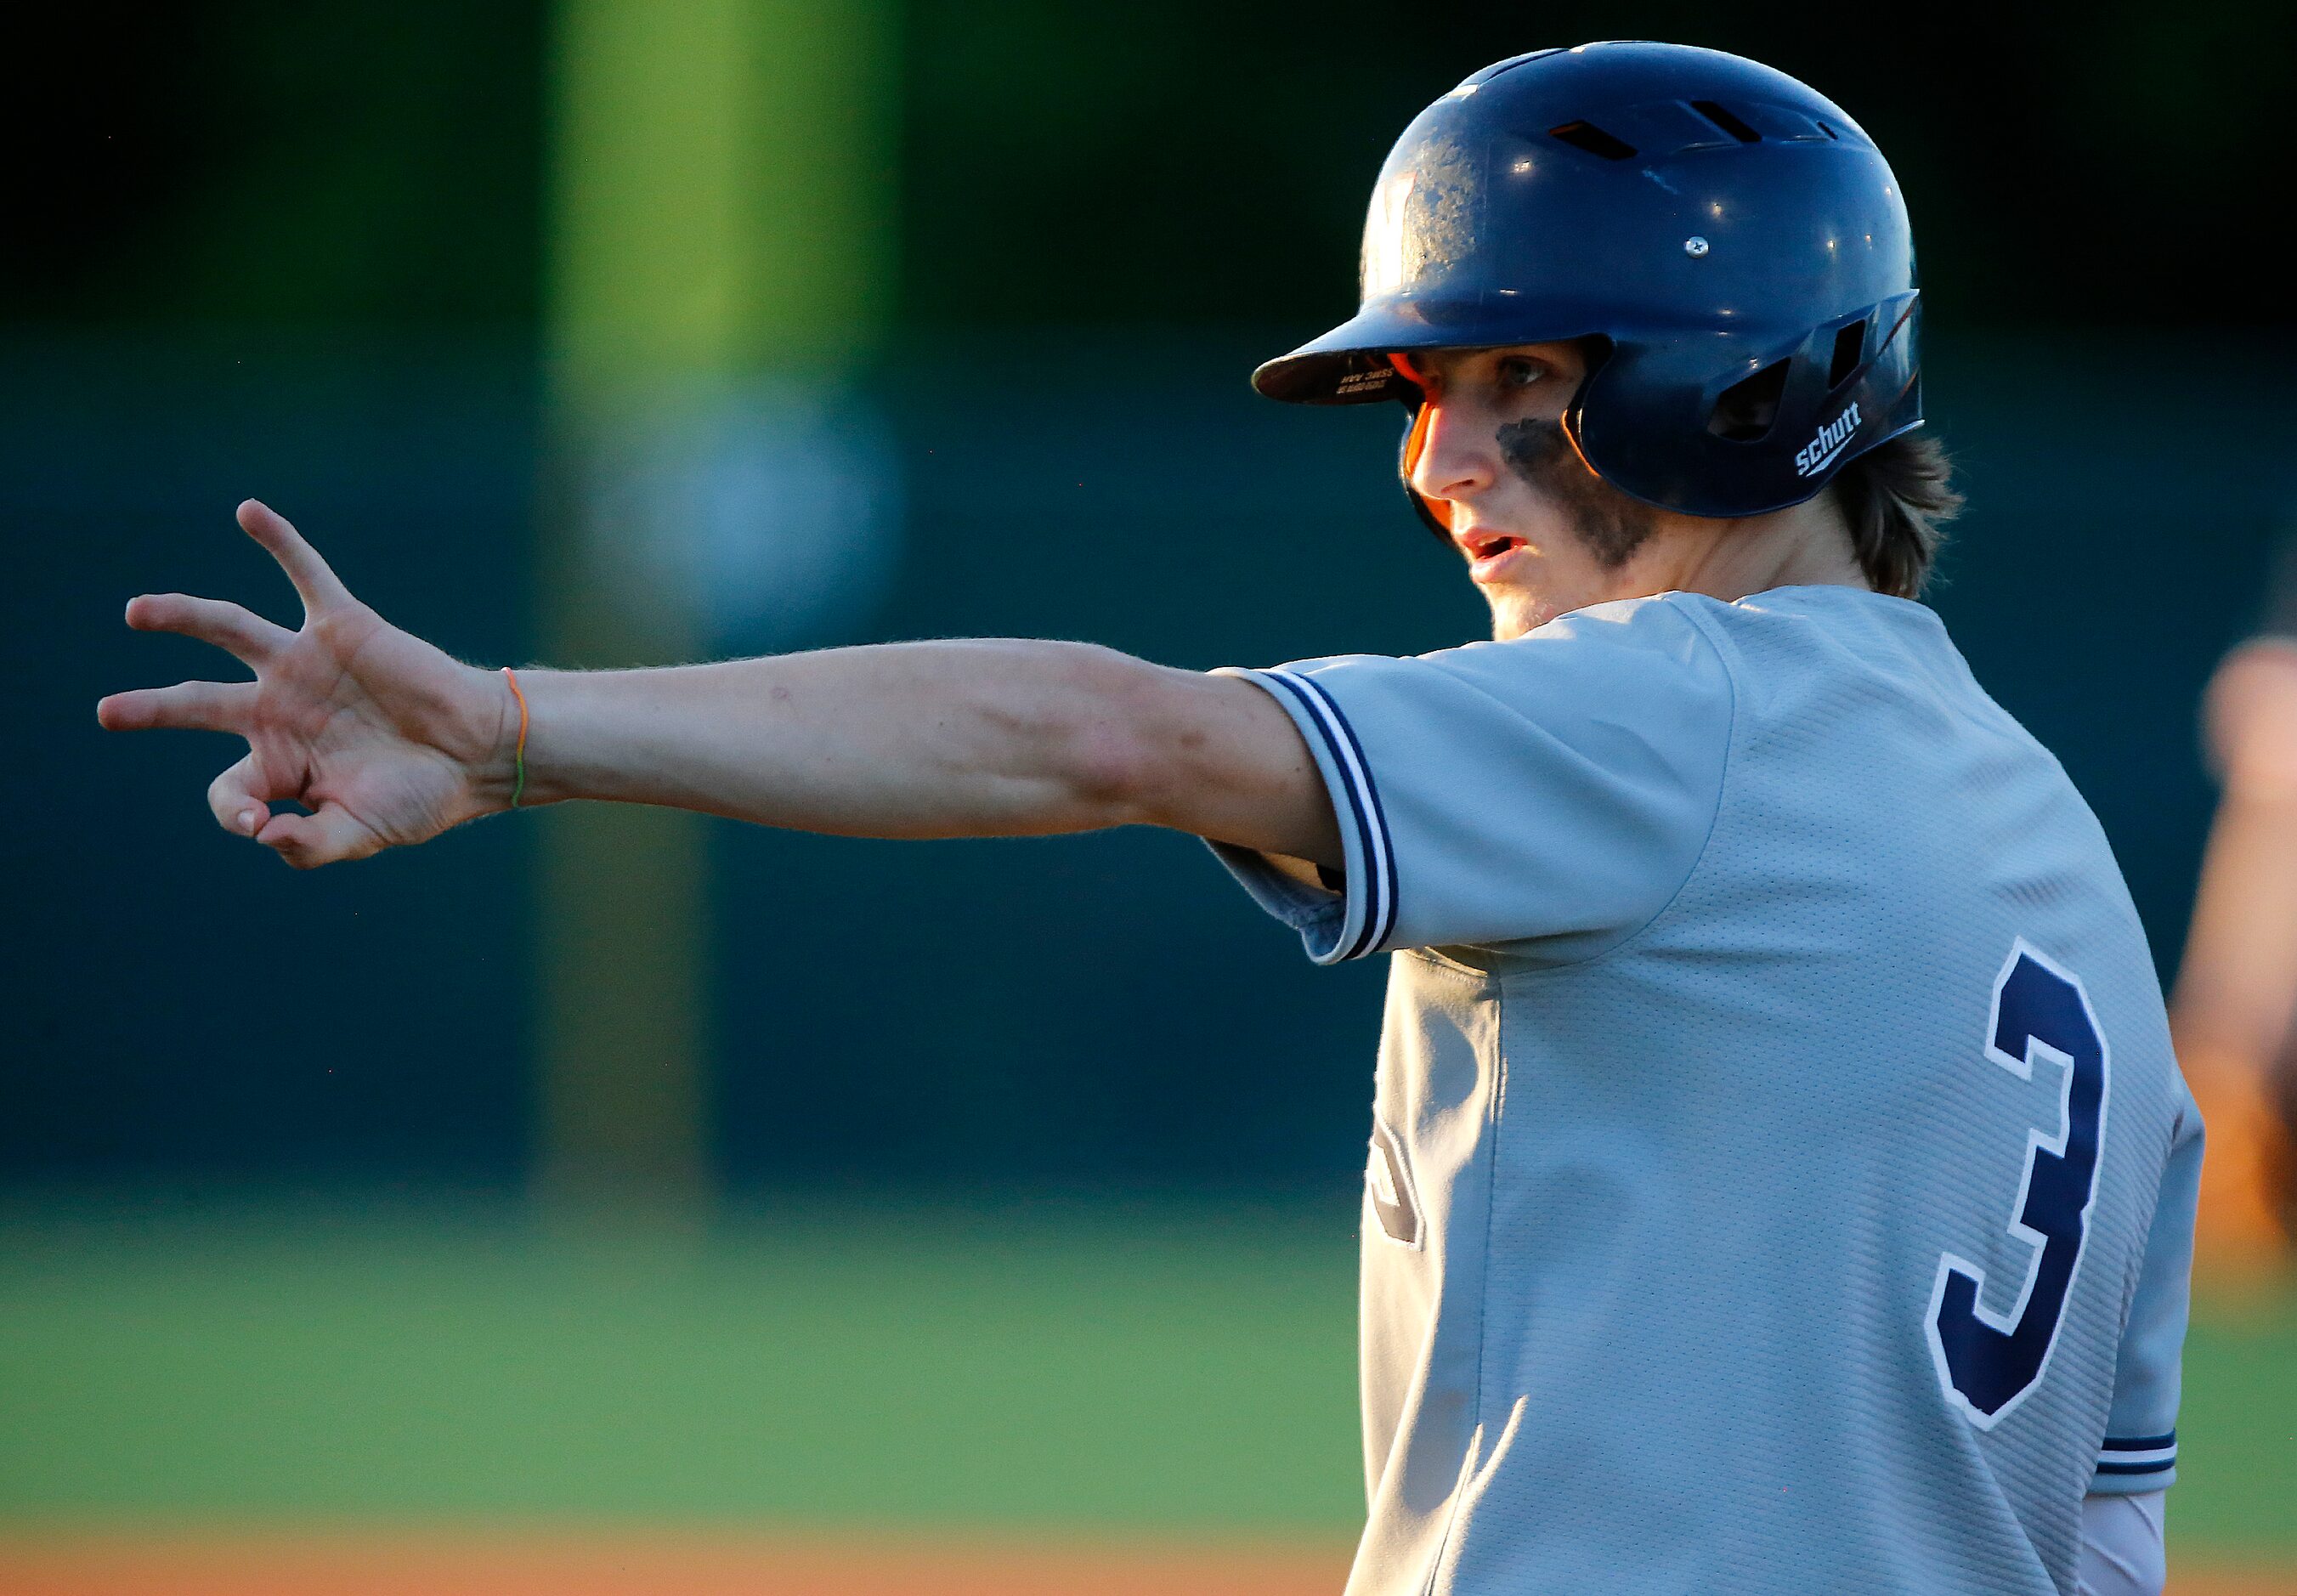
x=718 y=257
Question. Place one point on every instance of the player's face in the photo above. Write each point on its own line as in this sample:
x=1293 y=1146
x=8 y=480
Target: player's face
x=1542 y=533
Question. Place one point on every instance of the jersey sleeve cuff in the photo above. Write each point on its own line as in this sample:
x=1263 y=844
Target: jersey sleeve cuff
x=1357 y=919
x=2130 y=1463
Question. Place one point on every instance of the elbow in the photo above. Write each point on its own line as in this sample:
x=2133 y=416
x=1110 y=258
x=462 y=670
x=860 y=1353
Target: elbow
x=1117 y=764
x=1113 y=779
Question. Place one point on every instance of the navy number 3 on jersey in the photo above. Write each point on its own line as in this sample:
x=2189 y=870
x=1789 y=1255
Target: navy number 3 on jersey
x=1989 y=1359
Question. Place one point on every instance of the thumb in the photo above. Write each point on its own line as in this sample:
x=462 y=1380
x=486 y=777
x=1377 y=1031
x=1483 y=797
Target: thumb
x=329 y=835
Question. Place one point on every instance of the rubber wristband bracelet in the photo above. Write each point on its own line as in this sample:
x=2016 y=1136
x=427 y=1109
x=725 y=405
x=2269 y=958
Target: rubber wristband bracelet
x=518 y=756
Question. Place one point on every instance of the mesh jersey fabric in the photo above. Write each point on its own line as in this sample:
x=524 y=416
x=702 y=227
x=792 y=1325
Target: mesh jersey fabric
x=1689 y=1102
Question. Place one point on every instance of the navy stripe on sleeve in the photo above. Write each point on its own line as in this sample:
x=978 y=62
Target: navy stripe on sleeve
x=2138 y=1454
x=1363 y=802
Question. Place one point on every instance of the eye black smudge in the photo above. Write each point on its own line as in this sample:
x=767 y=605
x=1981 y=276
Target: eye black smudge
x=1612 y=525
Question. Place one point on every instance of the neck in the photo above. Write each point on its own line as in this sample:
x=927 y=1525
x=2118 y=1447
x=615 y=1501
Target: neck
x=1805 y=545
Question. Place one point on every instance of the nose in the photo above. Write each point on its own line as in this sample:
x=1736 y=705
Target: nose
x=1445 y=455
x=1450 y=458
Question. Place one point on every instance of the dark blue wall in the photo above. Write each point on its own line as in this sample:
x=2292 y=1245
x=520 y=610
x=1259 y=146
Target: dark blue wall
x=1096 y=1008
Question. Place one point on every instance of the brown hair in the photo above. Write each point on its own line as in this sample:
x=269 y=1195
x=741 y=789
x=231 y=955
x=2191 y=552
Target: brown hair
x=1896 y=498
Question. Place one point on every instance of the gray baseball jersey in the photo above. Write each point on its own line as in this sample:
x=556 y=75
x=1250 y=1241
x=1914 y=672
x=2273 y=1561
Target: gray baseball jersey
x=1779 y=1177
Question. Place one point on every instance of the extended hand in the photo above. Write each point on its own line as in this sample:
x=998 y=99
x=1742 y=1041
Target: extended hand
x=383 y=738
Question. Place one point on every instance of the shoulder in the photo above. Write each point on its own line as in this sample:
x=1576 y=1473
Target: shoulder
x=1784 y=625
x=1555 y=787
x=1609 y=659
x=1660 y=628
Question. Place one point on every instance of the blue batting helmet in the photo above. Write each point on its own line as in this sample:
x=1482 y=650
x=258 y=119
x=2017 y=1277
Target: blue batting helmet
x=1737 y=245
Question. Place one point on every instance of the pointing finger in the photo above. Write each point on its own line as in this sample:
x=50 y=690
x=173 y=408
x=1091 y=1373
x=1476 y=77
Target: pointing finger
x=188 y=705
x=320 y=588
x=238 y=797
x=247 y=635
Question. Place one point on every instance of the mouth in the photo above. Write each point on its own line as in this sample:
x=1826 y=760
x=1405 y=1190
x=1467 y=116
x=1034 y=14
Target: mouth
x=1486 y=548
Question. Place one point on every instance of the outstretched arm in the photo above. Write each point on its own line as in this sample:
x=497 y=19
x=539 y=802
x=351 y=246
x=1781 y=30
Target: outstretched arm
x=388 y=741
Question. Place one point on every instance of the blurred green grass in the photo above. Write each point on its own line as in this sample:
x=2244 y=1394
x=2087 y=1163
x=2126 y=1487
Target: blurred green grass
x=1184 y=1367
x=1170 y=1368
x=2237 y=1491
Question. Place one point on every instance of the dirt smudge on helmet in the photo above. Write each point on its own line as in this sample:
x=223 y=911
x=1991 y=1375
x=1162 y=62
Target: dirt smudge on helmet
x=1612 y=524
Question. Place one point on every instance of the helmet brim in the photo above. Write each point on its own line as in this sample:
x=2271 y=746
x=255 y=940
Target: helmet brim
x=1349 y=365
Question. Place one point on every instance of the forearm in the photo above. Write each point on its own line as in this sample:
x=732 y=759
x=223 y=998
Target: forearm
x=971 y=739
x=379 y=740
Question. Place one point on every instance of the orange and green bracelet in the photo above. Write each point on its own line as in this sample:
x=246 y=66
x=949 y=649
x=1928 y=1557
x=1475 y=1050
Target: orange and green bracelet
x=518 y=757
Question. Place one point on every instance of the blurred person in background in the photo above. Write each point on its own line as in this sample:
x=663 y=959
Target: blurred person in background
x=1779 y=1177
x=2234 y=1007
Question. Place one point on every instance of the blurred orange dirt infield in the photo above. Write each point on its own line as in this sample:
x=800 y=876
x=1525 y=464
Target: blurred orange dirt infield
x=373 y=1563
x=89 y=1564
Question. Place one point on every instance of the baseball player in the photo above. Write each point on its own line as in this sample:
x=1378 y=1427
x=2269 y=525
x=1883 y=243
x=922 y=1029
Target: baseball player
x=2236 y=989
x=1780 y=1179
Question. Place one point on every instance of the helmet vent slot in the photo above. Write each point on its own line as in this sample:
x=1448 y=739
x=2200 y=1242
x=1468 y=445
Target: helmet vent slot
x=1745 y=412
x=1724 y=117
x=1587 y=136
x=1850 y=348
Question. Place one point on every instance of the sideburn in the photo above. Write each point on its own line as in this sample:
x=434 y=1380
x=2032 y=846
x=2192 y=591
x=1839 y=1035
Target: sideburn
x=1611 y=525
